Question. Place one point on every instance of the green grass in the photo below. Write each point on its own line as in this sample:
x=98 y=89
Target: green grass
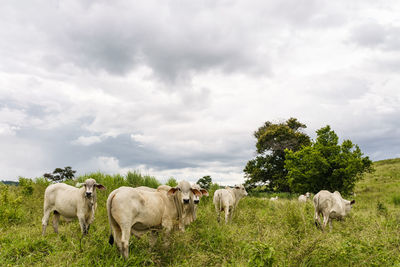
x=262 y=233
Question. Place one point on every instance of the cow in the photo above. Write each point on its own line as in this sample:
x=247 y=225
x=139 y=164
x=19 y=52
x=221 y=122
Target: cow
x=331 y=206
x=71 y=202
x=305 y=197
x=193 y=204
x=227 y=200
x=274 y=198
x=137 y=211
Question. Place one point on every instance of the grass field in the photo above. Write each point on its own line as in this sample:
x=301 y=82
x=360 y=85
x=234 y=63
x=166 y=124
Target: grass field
x=262 y=233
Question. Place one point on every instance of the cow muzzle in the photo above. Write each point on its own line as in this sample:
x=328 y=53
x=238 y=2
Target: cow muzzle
x=88 y=194
x=196 y=201
x=186 y=201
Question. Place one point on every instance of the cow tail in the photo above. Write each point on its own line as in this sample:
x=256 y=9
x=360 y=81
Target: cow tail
x=220 y=200
x=316 y=205
x=111 y=219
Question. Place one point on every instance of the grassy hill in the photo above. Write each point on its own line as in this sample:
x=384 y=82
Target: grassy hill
x=280 y=233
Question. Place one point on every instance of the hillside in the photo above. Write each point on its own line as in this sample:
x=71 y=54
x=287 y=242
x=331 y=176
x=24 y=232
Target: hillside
x=281 y=233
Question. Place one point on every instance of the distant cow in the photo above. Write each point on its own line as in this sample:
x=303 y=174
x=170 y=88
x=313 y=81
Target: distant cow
x=136 y=211
x=227 y=200
x=274 y=198
x=304 y=198
x=331 y=206
x=71 y=202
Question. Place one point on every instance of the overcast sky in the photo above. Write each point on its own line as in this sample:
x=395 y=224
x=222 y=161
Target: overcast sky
x=177 y=88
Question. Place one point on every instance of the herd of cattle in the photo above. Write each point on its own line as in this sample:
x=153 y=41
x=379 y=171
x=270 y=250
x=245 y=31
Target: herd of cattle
x=142 y=209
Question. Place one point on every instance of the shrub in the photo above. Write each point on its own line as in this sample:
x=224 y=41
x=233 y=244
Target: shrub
x=261 y=254
x=10 y=208
x=172 y=182
x=396 y=200
x=381 y=208
x=27 y=186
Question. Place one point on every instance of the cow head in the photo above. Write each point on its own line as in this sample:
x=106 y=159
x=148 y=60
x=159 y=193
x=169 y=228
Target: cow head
x=348 y=205
x=196 y=197
x=308 y=195
x=241 y=190
x=90 y=187
x=184 y=192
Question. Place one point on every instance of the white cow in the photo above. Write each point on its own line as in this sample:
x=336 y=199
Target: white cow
x=274 y=198
x=189 y=213
x=194 y=202
x=304 y=198
x=227 y=200
x=331 y=206
x=71 y=202
x=136 y=211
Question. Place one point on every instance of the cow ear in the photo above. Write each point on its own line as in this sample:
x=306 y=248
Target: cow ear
x=100 y=186
x=352 y=202
x=204 y=192
x=79 y=184
x=172 y=191
x=196 y=192
x=237 y=187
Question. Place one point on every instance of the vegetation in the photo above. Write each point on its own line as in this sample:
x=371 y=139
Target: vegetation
x=60 y=174
x=326 y=164
x=268 y=167
x=262 y=233
x=205 y=182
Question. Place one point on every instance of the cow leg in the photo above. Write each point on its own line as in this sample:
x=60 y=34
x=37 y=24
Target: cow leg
x=226 y=214
x=218 y=211
x=83 y=225
x=317 y=219
x=153 y=238
x=56 y=218
x=45 y=219
x=117 y=237
x=330 y=224
x=326 y=220
x=125 y=235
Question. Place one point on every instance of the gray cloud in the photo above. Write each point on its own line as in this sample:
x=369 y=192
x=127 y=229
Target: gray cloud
x=178 y=88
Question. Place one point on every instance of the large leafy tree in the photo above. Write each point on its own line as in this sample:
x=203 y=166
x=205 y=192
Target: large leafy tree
x=60 y=174
x=205 y=182
x=326 y=165
x=268 y=167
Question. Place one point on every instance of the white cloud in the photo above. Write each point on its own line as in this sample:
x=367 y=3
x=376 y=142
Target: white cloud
x=116 y=87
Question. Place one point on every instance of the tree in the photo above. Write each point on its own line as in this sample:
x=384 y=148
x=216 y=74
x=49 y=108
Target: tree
x=205 y=182
x=172 y=182
x=60 y=174
x=326 y=165
x=268 y=167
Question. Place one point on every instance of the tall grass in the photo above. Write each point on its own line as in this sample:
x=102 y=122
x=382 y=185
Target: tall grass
x=262 y=233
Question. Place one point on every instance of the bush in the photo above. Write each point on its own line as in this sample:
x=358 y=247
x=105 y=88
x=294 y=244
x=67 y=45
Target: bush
x=396 y=200
x=261 y=254
x=26 y=185
x=172 y=182
x=10 y=208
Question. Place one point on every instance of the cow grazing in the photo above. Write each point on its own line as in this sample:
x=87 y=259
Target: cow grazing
x=304 y=198
x=138 y=210
x=71 y=202
x=227 y=200
x=331 y=206
x=274 y=198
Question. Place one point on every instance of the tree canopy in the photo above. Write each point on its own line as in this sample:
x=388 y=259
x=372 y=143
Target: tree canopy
x=268 y=167
x=326 y=165
x=205 y=182
x=60 y=174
